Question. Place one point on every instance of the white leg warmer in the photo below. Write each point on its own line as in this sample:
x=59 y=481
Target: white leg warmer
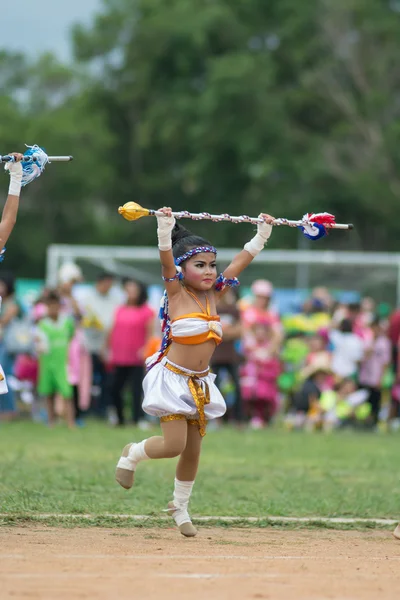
x=136 y=454
x=182 y=493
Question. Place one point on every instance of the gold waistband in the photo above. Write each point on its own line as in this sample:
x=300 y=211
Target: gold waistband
x=200 y=397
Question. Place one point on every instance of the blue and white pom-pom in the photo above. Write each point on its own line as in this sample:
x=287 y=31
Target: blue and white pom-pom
x=222 y=282
x=314 y=226
x=33 y=169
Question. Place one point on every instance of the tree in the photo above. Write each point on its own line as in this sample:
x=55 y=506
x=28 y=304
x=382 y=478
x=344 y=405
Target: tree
x=194 y=90
x=224 y=106
x=248 y=106
x=45 y=103
x=359 y=82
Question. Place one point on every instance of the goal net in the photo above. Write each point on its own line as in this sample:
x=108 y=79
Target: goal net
x=348 y=275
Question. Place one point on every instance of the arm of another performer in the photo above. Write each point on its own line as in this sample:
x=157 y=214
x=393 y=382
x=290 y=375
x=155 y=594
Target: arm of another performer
x=251 y=249
x=10 y=210
x=165 y=226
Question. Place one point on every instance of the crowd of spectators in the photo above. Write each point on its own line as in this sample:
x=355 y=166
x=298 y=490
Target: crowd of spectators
x=329 y=365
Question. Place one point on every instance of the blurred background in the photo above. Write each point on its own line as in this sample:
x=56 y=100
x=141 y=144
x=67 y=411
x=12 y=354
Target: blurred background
x=222 y=106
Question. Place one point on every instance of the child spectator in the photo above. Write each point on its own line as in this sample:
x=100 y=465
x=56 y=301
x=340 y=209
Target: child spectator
x=348 y=350
x=260 y=372
x=79 y=360
x=344 y=405
x=376 y=360
x=318 y=351
x=305 y=404
x=53 y=335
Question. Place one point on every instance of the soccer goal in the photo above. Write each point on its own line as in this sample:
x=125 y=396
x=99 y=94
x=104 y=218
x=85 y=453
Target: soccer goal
x=373 y=274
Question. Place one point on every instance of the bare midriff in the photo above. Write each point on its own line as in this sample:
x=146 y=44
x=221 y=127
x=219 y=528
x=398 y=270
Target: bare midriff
x=195 y=357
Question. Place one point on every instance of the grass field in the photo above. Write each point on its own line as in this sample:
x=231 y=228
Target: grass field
x=242 y=474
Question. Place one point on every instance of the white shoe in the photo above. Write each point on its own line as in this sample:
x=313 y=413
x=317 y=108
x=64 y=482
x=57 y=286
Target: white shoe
x=396 y=532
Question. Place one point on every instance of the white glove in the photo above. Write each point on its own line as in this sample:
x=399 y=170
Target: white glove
x=15 y=170
x=164 y=229
x=257 y=243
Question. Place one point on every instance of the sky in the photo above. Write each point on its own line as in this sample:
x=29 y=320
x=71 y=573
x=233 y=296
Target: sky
x=38 y=27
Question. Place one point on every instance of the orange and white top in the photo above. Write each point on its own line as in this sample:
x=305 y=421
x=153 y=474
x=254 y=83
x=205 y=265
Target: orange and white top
x=197 y=327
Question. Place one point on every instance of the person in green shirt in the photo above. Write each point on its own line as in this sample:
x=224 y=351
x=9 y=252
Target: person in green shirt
x=53 y=337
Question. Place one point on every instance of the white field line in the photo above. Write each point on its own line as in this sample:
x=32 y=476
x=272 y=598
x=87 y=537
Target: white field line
x=166 y=575
x=228 y=519
x=211 y=557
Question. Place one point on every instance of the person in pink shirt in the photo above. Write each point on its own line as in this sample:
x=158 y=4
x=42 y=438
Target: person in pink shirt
x=260 y=309
x=131 y=330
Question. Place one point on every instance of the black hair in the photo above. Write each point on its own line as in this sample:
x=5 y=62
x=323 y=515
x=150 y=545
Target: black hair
x=103 y=275
x=376 y=322
x=53 y=296
x=354 y=306
x=143 y=295
x=183 y=240
x=346 y=326
x=9 y=281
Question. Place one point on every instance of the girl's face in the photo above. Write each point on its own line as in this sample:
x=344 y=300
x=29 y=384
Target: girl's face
x=261 y=302
x=132 y=291
x=66 y=287
x=200 y=271
x=367 y=305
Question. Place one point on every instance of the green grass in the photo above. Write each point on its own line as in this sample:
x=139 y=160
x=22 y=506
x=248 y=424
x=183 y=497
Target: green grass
x=241 y=474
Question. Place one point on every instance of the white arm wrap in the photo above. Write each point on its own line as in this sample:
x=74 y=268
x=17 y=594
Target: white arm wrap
x=164 y=229
x=15 y=170
x=257 y=243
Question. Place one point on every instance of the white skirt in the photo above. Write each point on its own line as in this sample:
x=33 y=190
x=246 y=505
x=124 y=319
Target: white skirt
x=3 y=383
x=167 y=393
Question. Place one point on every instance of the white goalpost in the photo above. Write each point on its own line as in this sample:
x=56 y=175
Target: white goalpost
x=376 y=274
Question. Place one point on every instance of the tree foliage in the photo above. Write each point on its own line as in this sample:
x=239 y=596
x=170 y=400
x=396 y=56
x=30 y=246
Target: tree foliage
x=216 y=105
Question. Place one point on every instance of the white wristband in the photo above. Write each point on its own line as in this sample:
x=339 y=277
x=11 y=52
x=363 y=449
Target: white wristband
x=164 y=240
x=164 y=231
x=14 y=187
x=255 y=245
x=15 y=170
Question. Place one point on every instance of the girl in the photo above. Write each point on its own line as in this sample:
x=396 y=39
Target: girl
x=260 y=372
x=178 y=387
x=79 y=359
x=7 y=223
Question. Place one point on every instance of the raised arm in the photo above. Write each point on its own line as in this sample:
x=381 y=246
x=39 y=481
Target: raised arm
x=10 y=210
x=165 y=226
x=251 y=249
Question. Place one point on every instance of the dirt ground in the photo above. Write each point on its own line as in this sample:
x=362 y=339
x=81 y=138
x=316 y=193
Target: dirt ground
x=219 y=564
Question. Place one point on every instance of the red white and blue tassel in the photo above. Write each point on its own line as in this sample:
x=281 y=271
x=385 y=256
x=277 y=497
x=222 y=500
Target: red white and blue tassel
x=314 y=225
